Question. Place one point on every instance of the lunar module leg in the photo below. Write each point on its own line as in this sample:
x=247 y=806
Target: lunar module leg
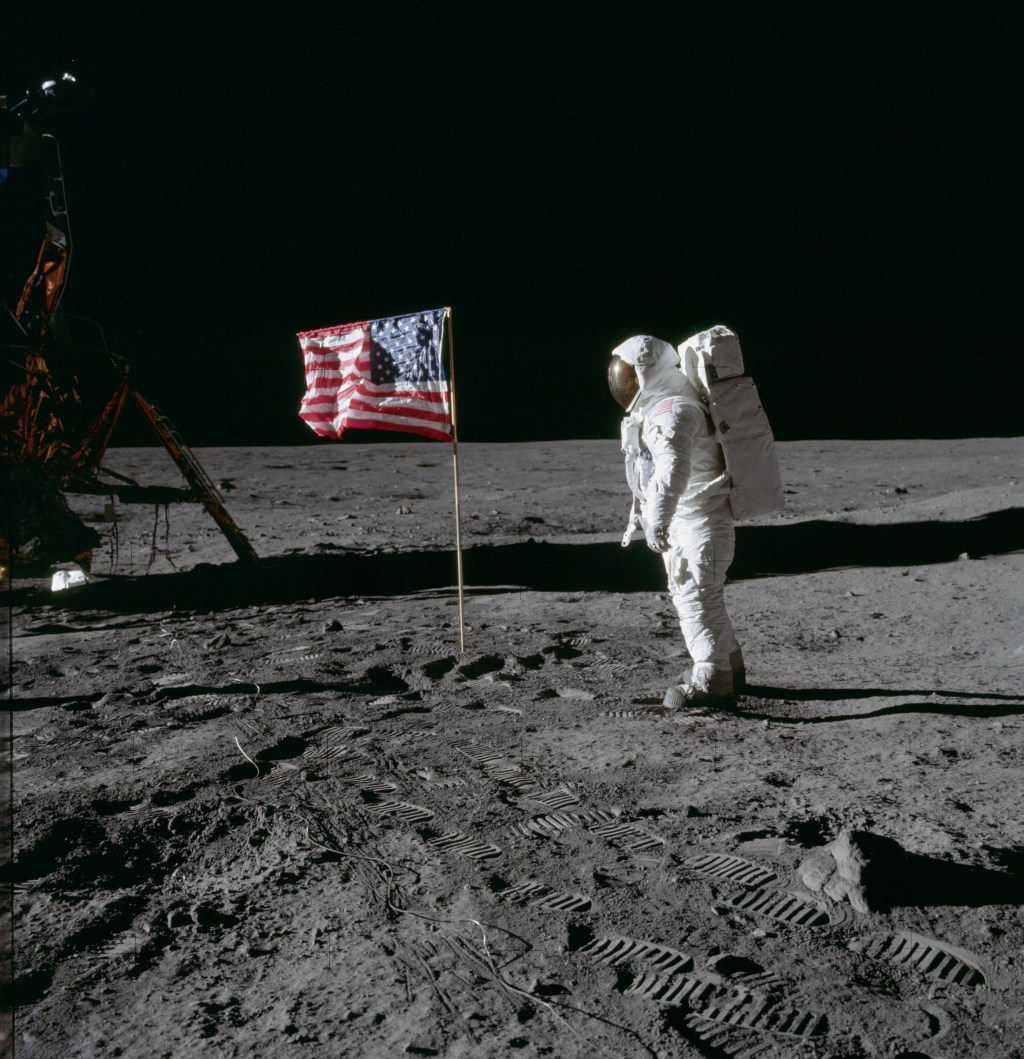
x=196 y=477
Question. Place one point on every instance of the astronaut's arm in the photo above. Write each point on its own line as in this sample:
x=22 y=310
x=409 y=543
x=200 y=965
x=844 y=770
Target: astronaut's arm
x=631 y=448
x=670 y=439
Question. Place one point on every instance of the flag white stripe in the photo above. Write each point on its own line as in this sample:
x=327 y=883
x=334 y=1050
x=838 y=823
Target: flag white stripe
x=401 y=402
x=355 y=414
x=322 y=378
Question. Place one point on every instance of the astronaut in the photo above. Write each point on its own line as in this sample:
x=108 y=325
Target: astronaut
x=676 y=472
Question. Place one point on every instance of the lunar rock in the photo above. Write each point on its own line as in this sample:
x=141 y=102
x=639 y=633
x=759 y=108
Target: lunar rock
x=858 y=867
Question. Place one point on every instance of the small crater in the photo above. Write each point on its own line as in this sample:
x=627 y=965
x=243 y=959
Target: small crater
x=208 y=918
x=438 y=668
x=289 y=747
x=110 y=806
x=731 y=966
x=549 y=989
x=116 y=916
x=62 y=841
x=487 y=664
x=30 y=987
x=392 y=714
x=172 y=797
x=561 y=651
x=579 y=935
x=531 y=661
x=379 y=680
x=815 y=831
x=242 y=771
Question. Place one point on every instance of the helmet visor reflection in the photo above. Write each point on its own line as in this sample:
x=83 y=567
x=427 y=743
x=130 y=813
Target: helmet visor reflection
x=622 y=381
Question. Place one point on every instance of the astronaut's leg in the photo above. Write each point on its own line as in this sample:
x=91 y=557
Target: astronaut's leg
x=702 y=550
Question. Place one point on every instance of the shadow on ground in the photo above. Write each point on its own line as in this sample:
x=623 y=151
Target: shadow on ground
x=1003 y=706
x=925 y=882
x=762 y=551
x=755 y=703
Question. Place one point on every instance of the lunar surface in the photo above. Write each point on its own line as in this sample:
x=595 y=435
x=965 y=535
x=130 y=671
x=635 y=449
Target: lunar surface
x=274 y=809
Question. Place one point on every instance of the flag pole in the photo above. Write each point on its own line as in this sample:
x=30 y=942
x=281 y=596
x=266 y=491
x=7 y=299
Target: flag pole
x=455 y=463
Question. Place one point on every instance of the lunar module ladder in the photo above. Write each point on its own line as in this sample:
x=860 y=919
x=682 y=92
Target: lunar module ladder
x=196 y=477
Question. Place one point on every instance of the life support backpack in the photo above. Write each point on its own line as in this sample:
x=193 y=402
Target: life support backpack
x=713 y=363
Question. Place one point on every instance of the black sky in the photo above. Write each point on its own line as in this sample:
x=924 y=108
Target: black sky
x=837 y=181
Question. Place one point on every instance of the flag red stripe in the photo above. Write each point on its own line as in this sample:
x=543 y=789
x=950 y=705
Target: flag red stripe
x=318 y=417
x=374 y=424
x=342 y=329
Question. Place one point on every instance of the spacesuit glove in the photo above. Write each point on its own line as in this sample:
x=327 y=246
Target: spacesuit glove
x=635 y=523
x=657 y=538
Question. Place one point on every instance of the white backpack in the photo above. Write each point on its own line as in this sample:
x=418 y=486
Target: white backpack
x=713 y=363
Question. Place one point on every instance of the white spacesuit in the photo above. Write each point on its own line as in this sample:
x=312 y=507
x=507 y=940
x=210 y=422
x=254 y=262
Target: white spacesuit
x=676 y=471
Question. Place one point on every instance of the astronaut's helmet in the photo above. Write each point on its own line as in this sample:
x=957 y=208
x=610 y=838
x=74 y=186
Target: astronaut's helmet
x=622 y=381
x=635 y=363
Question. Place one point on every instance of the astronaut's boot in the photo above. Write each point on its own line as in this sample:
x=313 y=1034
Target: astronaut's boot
x=704 y=689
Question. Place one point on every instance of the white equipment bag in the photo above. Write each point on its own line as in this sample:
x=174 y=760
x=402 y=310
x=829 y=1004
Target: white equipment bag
x=713 y=363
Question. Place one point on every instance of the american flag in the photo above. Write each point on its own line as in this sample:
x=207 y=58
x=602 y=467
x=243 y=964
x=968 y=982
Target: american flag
x=377 y=375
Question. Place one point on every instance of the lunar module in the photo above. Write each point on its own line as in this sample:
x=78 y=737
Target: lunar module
x=62 y=387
